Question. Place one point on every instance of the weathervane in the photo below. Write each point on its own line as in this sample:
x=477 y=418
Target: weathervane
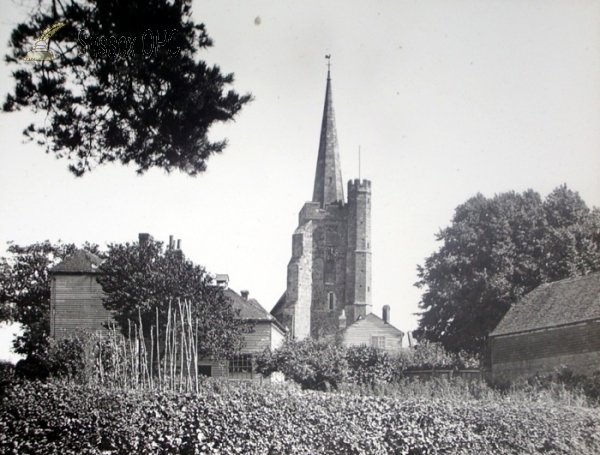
x=328 y=57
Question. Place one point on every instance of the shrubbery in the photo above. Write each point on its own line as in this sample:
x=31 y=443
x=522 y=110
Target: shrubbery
x=316 y=365
x=54 y=418
x=319 y=365
x=7 y=370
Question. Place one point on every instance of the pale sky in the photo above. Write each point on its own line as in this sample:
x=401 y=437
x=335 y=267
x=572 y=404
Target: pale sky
x=445 y=98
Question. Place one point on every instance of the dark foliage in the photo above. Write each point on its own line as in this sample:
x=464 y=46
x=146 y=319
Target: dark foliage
x=326 y=364
x=497 y=250
x=7 y=370
x=49 y=419
x=141 y=281
x=314 y=364
x=125 y=85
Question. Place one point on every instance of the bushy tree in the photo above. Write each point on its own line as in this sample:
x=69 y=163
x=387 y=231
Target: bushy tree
x=125 y=85
x=142 y=280
x=368 y=365
x=25 y=290
x=495 y=251
x=314 y=364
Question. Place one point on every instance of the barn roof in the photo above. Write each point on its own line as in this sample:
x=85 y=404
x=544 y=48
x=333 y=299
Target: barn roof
x=554 y=304
x=80 y=261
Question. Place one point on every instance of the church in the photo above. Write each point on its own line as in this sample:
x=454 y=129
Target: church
x=329 y=274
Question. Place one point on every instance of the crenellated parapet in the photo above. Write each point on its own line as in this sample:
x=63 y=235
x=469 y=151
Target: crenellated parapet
x=358 y=186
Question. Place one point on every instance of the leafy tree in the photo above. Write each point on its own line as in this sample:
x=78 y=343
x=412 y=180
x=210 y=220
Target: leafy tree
x=495 y=251
x=25 y=290
x=125 y=85
x=141 y=280
x=314 y=364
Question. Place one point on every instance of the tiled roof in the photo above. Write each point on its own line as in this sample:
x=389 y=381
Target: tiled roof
x=249 y=309
x=553 y=304
x=372 y=318
x=79 y=262
x=280 y=303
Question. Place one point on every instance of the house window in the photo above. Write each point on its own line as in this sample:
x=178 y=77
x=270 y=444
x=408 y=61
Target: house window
x=240 y=367
x=205 y=370
x=378 y=342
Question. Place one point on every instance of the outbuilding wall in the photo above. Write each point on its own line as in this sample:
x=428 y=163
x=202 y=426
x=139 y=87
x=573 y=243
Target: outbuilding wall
x=576 y=346
x=76 y=303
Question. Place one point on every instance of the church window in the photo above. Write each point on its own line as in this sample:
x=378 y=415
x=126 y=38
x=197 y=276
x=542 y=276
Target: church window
x=329 y=272
x=331 y=300
x=378 y=342
x=240 y=367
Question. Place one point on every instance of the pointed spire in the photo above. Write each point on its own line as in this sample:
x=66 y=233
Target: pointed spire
x=328 y=177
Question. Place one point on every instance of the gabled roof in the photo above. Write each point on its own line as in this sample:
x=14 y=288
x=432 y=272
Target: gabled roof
x=373 y=319
x=554 y=304
x=250 y=309
x=80 y=261
x=280 y=303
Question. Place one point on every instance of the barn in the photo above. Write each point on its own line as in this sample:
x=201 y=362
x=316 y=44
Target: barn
x=555 y=325
x=76 y=296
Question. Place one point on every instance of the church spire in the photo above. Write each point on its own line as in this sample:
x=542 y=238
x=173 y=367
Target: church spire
x=328 y=177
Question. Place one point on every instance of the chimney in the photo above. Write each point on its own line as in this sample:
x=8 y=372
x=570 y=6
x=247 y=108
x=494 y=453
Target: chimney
x=170 y=242
x=143 y=238
x=178 y=244
x=386 y=314
x=245 y=294
x=222 y=280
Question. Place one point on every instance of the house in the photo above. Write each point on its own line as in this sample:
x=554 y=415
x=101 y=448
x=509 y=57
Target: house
x=557 y=324
x=371 y=330
x=266 y=332
x=76 y=303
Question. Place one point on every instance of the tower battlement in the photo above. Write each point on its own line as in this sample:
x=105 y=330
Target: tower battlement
x=357 y=185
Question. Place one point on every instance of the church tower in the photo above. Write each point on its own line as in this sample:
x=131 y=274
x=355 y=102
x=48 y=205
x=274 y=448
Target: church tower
x=329 y=274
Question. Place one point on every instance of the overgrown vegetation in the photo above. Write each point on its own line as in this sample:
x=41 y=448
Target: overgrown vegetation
x=322 y=365
x=165 y=358
x=237 y=418
x=102 y=398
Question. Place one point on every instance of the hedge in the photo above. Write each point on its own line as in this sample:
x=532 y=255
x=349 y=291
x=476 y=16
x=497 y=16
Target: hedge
x=54 y=418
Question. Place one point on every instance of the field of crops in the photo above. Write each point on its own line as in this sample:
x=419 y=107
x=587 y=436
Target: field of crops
x=55 y=418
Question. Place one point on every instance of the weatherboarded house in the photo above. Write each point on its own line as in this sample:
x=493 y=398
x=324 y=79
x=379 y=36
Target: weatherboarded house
x=266 y=332
x=371 y=330
x=76 y=296
x=556 y=324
